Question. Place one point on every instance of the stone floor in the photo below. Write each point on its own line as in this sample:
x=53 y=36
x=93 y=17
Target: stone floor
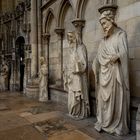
x=26 y=119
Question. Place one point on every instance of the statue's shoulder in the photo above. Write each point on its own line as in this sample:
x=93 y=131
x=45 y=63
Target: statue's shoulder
x=82 y=47
x=102 y=41
x=120 y=31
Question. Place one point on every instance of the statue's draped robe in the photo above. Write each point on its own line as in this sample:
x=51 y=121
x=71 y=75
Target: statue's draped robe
x=78 y=101
x=112 y=84
x=3 y=78
x=43 y=85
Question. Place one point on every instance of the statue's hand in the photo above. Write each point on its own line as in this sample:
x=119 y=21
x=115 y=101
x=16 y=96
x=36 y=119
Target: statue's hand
x=75 y=72
x=114 y=58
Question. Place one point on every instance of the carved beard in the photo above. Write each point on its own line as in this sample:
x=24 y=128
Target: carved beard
x=73 y=45
x=108 y=31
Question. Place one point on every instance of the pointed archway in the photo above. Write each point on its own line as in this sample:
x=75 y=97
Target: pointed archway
x=20 y=41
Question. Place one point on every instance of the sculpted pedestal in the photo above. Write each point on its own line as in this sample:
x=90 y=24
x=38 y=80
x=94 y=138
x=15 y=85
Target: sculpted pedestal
x=32 y=91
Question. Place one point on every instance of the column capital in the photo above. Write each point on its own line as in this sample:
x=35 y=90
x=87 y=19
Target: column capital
x=78 y=23
x=59 y=31
x=46 y=36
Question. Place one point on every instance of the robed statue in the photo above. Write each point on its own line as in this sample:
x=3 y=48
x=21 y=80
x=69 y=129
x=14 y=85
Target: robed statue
x=4 y=77
x=43 y=81
x=78 y=101
x=112 y=78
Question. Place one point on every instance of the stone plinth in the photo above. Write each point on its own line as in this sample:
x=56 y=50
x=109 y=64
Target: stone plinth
x=32 y=91
x=138 y=124
x=58 y=95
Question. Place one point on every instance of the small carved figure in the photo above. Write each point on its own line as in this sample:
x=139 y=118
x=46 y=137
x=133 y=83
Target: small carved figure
x=4 y=76
x=43 y=81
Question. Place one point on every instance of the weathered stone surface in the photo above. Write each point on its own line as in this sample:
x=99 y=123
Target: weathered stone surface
x=59 y=95
x=11 y=121
x=51 y=125
x=43 y=116
x=21 y=133
x=138 y=124
x=129 y=9
x=25 y=114
x=3 y=107
x=32 y=91
x=77 y=135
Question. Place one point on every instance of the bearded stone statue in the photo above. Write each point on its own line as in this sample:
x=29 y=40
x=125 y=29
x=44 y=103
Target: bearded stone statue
x=112 y=78
x=78 y=101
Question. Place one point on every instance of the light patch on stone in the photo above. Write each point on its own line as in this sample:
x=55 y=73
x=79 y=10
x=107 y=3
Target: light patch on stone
x=72 y=135
x=24 y=114
x=3 y=107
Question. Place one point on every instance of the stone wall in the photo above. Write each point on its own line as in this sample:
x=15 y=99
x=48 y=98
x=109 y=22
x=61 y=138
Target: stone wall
x=128 y=18
x=9 y=5
x=15 y=32
x=138 y=124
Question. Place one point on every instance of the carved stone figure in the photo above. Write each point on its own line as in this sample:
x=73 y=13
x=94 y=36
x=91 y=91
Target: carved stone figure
x=43 y=81
x=78 y=102
x=112 y=79
x=4 y=77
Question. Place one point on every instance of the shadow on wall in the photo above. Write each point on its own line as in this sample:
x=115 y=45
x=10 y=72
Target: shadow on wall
x=134 y=57
x=91 y=58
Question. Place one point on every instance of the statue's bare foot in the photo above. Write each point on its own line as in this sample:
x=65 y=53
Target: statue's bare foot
x=98 y=127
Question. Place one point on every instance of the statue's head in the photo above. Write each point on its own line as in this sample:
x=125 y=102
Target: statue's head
x=71 y=37
x=42 y=60
x=107 y=20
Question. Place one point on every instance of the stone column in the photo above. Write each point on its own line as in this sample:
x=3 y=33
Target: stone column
x=29 y=63
x=25 y=68
x=138 y=124
x=34 y=39
x=60 y=33
x=79 y=25
x=13 y=70
x=39 y=2
x=45 y=50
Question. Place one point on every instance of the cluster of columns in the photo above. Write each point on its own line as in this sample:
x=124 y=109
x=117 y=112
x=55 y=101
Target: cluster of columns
x=79 y=24
x=35 y=37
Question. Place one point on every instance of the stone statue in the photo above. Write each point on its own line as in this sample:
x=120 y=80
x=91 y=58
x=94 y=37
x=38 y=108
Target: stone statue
x=4 y=77
x=112 y=78
x=43 y=81
x=78 y=101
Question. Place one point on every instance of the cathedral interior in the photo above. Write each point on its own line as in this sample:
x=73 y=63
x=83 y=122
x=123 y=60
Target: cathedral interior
x=32 y=29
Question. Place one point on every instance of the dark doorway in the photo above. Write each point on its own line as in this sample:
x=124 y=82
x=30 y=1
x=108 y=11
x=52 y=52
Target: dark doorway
x=20 y=60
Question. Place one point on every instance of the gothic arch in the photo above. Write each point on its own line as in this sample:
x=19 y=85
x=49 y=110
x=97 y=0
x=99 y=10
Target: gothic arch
x=61 y=12
x=80 y=8
x=48 y=19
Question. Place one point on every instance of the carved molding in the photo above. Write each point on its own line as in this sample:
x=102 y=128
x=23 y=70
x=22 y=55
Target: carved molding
x=59 y=31
x=108 y=7
x=78 y=23
x=47 y=4
x=46 y=36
